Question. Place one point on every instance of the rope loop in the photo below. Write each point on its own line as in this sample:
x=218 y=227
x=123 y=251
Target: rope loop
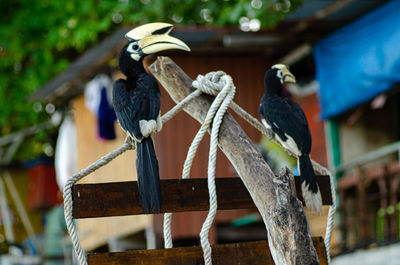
x=212 y=83
x=220 y=85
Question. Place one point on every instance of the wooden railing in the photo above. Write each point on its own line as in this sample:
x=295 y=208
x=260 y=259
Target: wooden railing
x=122 y=198
x=369 y=206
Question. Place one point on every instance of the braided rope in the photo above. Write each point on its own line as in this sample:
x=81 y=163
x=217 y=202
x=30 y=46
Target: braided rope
x=221 y=103
x=220 y=85
x=253 y=121
x=68 y=203
x=178 y=107
x=331 y=213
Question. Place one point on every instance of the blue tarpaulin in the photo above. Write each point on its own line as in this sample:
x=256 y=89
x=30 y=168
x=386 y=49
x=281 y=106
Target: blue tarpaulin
x=359 y=61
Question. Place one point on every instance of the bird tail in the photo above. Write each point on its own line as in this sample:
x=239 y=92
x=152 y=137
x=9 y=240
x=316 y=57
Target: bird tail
x=148 y=176
x=309 y=186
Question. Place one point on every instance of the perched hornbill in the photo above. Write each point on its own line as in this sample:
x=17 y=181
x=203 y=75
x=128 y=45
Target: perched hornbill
x=288 y=122
x=136 y=103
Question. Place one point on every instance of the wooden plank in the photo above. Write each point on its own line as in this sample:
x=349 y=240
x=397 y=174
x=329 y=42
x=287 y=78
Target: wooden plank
x=254 y=253
x=122 y=198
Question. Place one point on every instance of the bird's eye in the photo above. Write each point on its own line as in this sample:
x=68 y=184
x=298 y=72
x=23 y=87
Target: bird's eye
x=133 y=47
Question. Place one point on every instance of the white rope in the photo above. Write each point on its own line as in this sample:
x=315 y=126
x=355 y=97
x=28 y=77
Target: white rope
x=178 y=107
x=331 y=213
x=220 y=85
x=220 y=104
x=331 y=220
x=68 y=203
x=166 y=117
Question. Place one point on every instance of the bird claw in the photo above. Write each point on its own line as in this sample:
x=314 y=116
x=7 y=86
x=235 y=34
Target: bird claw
x=147 y=127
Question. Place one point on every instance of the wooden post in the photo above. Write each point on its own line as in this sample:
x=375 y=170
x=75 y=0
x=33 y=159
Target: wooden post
x=383 y=184
x=362 y=205
x=394 y=184
x=343 y=218
x=283 y=214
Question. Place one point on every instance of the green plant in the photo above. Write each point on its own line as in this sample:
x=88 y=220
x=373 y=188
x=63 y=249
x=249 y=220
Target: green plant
x=38 y=39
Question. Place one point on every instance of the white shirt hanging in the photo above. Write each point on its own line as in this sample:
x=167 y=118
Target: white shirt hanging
x=93 y=92
x=66 y=155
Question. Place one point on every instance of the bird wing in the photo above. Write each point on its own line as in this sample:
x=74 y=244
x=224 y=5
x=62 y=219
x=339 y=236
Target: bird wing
x=150 y=93
x=285 y=116
x=127 y=108
x=134 y=105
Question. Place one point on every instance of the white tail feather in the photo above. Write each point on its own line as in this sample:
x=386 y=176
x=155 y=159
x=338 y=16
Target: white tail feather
x=313 y=200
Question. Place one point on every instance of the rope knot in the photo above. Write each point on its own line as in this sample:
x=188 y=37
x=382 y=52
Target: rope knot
x=212 y=83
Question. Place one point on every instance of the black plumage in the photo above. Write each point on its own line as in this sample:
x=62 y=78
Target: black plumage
x=135 y=99
x=288 y=121
x=136 y=103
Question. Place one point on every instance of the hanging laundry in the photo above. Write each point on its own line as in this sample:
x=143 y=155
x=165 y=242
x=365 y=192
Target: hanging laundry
x=98 y=99
x=66 y=155
x=106 y=117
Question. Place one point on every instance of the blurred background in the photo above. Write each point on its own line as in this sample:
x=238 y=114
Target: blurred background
x=58 y=61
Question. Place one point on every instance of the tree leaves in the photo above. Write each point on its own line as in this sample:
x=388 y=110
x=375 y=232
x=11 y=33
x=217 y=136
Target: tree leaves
x=38 y=39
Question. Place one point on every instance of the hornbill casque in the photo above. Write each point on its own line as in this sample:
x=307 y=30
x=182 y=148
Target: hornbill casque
x=288 y=121
x=136 y=101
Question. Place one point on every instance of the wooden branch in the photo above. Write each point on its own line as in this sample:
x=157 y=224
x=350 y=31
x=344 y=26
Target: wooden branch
x=178 y=195
x=254 y=253
x=283 y=214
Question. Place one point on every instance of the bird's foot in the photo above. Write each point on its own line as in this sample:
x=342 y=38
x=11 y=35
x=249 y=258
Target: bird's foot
x=313 y=200
x=147 y=127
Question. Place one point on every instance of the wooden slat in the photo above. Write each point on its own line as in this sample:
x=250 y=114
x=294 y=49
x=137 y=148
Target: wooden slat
x=255 y=253
x=122 y=198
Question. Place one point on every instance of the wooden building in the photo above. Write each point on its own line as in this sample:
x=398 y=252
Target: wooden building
x=247 y=65
x=243 y=55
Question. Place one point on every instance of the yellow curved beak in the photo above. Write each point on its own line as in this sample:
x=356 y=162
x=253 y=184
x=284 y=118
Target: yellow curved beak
x=148 y=30
x=287 y=76
x=153 y=38
x=156 y=43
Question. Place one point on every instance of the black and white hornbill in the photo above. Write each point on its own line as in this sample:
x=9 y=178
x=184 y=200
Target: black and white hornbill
x=136 y=101
x=288 y=121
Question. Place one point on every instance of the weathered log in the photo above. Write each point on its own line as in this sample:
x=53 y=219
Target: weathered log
x=283 y=214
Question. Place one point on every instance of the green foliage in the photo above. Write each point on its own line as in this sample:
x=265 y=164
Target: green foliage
x=38 y=39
